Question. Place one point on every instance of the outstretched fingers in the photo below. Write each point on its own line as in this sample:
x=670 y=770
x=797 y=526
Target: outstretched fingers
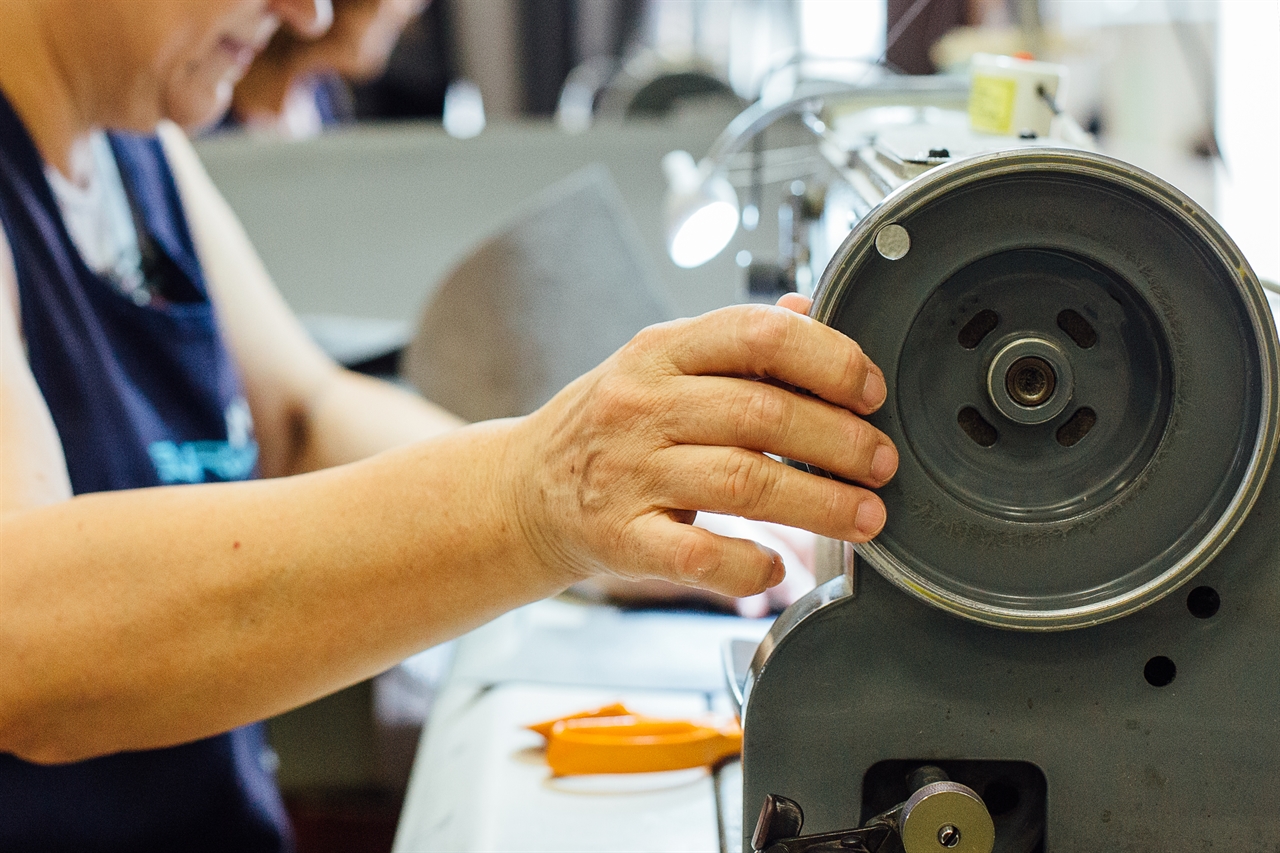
x=735 y=481
x=675 y=423
x=719 y=411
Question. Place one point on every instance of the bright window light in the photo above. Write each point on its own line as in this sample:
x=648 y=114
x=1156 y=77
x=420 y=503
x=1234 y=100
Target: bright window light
x=842 y=29
x=1248 y=192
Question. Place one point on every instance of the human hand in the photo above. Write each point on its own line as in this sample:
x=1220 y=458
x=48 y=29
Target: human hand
x=608 y=476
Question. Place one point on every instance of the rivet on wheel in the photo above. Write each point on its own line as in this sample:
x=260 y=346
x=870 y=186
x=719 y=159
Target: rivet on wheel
x=893 y=242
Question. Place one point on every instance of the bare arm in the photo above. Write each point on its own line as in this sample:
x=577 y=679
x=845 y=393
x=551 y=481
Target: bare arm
x=309 y=413
x=33 y=471
x=150 y=617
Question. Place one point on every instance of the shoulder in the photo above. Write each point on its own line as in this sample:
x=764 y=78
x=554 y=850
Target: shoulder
x=212 y=222
x=182 y=157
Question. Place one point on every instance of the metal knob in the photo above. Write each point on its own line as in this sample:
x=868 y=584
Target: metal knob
x=939 y=816
x=946 y=817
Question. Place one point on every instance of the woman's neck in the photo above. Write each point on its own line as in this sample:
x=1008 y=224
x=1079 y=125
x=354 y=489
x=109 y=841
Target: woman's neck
x=40 y=91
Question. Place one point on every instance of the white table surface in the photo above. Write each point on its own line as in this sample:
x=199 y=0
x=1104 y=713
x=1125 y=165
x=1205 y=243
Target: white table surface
x=479 y=782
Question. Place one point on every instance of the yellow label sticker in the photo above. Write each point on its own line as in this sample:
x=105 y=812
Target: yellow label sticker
x=991 y=103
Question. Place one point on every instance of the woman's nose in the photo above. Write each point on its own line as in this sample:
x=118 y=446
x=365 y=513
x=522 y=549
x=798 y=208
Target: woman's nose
x=309 y=18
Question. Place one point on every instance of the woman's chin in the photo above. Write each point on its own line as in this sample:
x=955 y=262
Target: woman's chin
x=192 y=112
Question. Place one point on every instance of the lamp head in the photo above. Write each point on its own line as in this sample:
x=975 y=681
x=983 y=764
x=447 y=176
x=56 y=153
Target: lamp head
x=702 y=210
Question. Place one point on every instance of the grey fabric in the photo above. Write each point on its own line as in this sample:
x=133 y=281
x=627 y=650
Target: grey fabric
x=537 y=305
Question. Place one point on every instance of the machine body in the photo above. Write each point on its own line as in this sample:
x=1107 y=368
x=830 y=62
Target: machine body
x=1073 y=609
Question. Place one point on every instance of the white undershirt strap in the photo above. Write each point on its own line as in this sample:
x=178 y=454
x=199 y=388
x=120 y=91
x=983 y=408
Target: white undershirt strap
x=100 y=221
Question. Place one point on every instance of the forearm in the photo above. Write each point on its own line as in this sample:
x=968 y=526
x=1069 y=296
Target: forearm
x=232 y=602
x=139 y=619
x=353 y=417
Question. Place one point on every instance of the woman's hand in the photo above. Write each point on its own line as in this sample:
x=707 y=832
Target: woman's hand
x=608 y=476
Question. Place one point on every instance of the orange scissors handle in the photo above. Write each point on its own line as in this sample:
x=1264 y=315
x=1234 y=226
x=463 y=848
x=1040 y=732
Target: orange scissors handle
x=632 y=744
x=617 y=709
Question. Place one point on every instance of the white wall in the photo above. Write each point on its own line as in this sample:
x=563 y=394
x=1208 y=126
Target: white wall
x=1248 y=192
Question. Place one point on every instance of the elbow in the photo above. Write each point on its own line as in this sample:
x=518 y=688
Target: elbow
x=22 y=736
x=18 y=740
x=47 y=757
x=40 y=747
x=35 y=732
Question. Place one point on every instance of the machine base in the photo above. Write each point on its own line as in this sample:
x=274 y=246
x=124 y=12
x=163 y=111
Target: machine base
x=1156 y=732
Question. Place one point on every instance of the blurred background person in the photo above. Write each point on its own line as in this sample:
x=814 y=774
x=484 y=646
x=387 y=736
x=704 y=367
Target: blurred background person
x=298 y=86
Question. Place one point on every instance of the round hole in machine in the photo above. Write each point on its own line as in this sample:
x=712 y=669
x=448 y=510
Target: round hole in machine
x=1000 y=797
x=1159 y=671
x=1203 y=602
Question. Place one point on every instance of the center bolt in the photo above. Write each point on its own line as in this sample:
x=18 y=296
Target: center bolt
x=1030 y=381
x=949 y=836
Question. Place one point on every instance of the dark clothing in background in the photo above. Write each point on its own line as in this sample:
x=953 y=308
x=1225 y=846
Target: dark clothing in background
x=909 y=52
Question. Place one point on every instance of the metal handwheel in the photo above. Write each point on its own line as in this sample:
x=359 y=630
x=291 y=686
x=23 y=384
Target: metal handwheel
x=1081 y=371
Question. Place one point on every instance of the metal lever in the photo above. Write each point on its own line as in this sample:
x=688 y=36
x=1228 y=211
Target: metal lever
x=940 y=816
x=778 y=831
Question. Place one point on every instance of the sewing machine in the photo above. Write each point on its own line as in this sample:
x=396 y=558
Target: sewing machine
x=1065 y=638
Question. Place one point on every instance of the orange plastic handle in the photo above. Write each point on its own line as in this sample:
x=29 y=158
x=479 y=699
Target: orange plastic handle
x=617 y=709
x=633 y=744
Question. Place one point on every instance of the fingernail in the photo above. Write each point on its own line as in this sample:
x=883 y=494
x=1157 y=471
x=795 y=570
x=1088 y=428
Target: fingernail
x=874 y=392
x=870 y=517
x=779 y=571
x=884 y=463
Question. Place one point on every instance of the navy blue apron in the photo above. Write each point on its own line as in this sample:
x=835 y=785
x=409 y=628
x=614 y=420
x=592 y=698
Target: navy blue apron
x=141 y=395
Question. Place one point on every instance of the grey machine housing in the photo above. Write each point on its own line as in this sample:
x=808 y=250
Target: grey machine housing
x=1082 y=627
